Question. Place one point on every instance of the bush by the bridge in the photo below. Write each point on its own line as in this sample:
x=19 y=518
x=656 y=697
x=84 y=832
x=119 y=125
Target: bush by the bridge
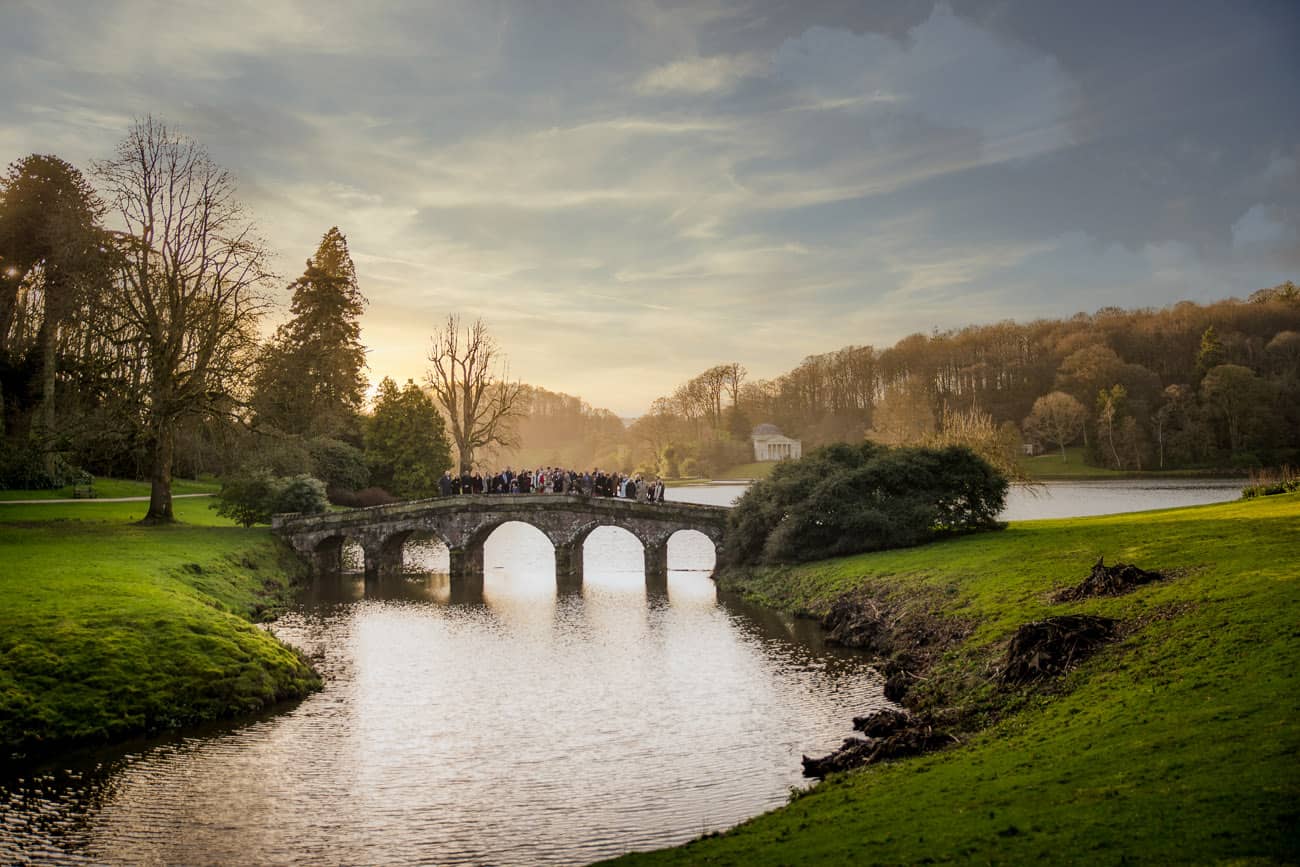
x=846 y=499
x=254 y=497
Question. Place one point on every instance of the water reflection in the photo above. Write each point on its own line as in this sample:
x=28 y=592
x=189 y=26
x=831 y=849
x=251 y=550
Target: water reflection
x=520 y=724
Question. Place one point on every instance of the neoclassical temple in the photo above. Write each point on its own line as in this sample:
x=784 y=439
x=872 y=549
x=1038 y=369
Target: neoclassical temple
x=772 y=445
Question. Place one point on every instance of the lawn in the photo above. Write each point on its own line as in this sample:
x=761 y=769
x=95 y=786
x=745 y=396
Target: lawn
x=1050 y=466
x=1176 y=744
x=109 y=629
x=108 y=488
x=758 y=470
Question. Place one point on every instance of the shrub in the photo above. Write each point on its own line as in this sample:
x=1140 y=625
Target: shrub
x=247 y=499
x=363 y=498
x=254 y=497
x=338 y=464
x=23 y=468
x=1267 y=483
x=844 y=499
x=301 y=493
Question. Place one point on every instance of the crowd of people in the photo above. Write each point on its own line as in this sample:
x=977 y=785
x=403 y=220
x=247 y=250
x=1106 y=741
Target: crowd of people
x=554 y=480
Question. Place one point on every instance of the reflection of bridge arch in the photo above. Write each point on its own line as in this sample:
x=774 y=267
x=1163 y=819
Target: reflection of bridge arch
x=465 y=523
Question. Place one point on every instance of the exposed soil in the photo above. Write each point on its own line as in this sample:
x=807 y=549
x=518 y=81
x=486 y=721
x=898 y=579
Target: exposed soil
x=909 y=640
x=1106 y=580
x=903 y=634
x=891 y=735
x=1046 y=648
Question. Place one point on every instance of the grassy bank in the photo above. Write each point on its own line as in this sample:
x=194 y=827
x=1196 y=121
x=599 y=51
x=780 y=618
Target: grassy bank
x=108 y=488
x=1178 y=743
x=1049 y=466
x=109 y=630
x=744 y=472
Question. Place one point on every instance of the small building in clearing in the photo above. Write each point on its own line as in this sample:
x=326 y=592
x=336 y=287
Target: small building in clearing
x=772 y=445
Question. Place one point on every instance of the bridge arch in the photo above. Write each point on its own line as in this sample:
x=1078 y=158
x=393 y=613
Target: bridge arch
x=416 y=549
x=694 y=548
x=612 y=536
x=535 y=536
x=466 y=522
x=336 y=553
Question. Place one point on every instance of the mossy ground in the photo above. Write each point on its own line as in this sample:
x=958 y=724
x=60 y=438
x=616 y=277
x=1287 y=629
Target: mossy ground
x=109 y=629
x=1176 y=744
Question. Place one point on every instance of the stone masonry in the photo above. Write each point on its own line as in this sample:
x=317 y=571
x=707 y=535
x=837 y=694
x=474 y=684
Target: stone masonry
x=464 y=523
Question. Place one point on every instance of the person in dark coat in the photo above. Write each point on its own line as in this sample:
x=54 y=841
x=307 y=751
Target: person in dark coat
x=444 y=484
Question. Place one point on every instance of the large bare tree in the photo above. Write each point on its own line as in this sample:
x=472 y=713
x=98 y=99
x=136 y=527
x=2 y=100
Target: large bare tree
x=1057 y=418
x=189 y=289
x=469 y=379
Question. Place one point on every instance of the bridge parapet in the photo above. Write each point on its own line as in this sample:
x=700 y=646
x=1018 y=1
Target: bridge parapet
x=463 y=523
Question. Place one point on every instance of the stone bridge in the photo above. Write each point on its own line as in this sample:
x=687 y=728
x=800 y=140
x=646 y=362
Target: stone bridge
x=464 y=523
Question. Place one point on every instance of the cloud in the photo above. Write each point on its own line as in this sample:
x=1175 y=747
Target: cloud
x=699 y=75
x=632 y=194
x=1261 y=226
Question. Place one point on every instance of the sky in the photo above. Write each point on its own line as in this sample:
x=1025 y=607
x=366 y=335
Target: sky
x=629 y=193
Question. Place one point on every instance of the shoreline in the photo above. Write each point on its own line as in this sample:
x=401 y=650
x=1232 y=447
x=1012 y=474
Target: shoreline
x=1167 y=743
x=113 y=632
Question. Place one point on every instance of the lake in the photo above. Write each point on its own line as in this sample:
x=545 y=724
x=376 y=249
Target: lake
x=522 y=725
x=1050 y=499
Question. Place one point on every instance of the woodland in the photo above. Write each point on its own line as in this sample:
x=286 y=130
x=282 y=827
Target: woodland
x=133 y=296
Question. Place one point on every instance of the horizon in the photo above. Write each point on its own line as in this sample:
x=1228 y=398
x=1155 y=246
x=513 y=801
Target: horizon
x=632 y=196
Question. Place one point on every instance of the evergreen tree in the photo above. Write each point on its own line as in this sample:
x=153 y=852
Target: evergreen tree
x=406 y=441
x=311 y=380
x=51 y=250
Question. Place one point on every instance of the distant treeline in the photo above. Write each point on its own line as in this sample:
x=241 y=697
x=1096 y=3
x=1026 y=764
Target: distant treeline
x=1190 y=385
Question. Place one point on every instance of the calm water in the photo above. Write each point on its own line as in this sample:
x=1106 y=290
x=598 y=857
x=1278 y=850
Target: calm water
x=1053 y=499
x=520 y=727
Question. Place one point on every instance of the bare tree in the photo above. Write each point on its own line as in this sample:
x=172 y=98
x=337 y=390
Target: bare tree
x=1057 y=418
x=469 y=379
x=189 y=289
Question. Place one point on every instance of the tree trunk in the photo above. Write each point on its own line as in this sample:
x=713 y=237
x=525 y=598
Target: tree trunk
x=49 y=339
x=160 y=488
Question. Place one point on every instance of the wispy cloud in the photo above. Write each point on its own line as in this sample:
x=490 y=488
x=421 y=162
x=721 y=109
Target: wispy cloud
x=699 y=75
x=663 y=186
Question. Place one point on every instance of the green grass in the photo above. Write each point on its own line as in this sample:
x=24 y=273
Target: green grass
x=758 y=470
x=1177 y=744
x=107 y=488
x=1050 y=466
x=109 y=630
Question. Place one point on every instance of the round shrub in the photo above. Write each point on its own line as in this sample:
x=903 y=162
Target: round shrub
x=845 y=499
x=301 y=493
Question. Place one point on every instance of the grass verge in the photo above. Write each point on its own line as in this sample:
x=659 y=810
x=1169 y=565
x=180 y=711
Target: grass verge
x=744 y=472
x=110 y=630
x=1049 y=466
x=1176 y=744
x=107 y=488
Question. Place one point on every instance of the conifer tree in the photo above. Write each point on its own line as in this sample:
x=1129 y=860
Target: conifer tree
x=311 y=380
